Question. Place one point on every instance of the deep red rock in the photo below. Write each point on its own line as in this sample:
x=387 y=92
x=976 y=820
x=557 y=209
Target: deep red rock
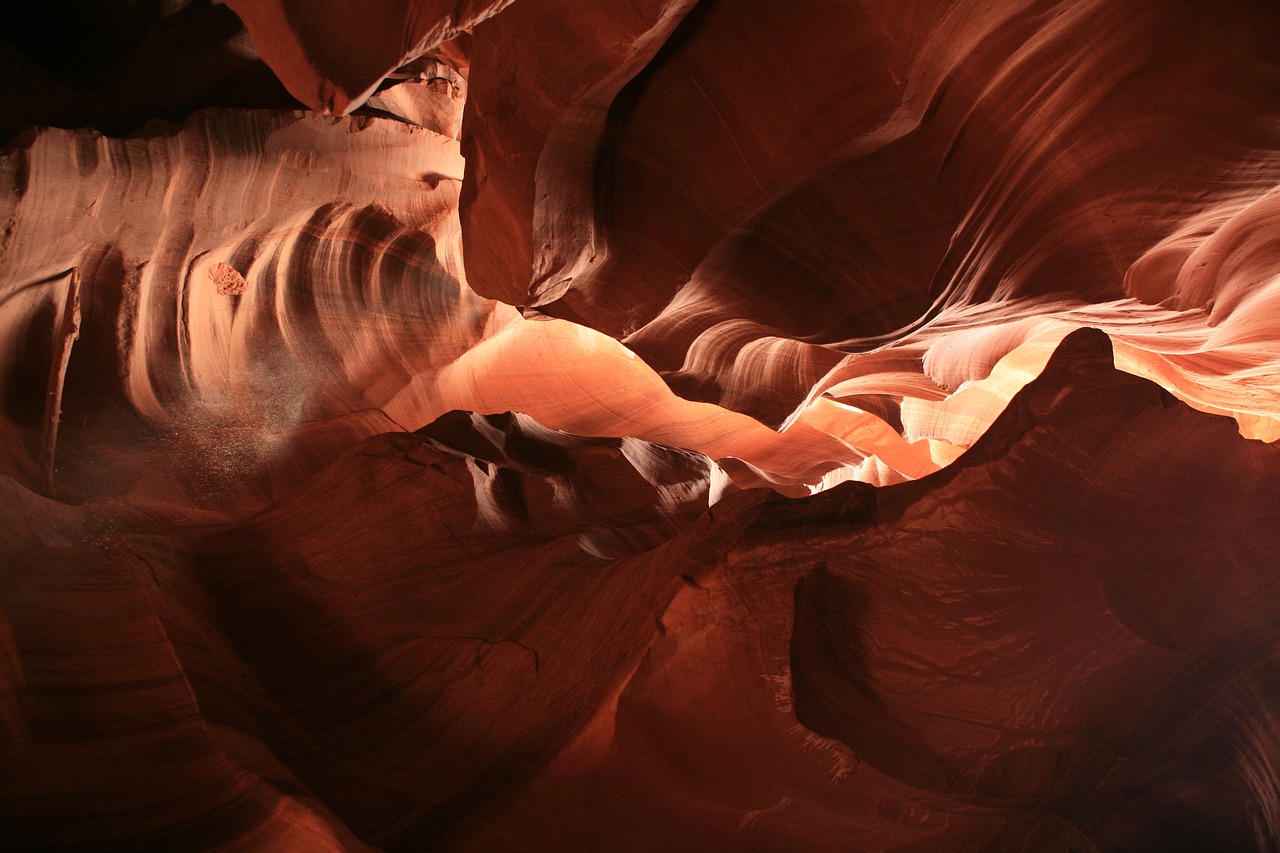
x=660 y=424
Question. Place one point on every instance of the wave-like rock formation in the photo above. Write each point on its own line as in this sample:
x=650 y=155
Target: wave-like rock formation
x=656 y=425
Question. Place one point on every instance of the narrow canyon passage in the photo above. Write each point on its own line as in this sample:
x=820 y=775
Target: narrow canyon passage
x=657 y=425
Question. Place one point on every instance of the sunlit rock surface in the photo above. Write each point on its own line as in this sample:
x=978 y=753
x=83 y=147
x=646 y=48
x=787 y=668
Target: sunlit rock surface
x=663 y=425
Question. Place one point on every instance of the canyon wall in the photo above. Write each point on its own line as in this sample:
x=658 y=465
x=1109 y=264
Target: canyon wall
x=654 y=425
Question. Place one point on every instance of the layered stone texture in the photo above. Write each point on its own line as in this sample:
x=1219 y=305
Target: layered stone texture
x=428 y=644
x=661 y=424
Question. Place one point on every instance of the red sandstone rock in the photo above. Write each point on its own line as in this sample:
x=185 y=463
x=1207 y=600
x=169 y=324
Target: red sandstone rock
x=226 y=279
x=794 y=511
x=333 y=54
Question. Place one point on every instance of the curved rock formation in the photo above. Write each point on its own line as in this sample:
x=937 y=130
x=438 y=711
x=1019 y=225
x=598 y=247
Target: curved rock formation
x=333 y=54
x=664 y=424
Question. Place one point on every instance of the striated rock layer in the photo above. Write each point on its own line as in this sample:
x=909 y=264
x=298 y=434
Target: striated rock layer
x=416 y=649
x=668 y=424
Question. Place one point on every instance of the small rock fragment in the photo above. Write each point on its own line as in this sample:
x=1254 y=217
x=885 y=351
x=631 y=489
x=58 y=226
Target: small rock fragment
x=228 y=281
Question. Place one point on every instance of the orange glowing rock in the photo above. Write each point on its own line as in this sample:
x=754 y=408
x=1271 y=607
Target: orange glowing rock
x=646 y=425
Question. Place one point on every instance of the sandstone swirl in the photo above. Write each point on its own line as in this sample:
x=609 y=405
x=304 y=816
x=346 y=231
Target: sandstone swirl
x=661 y=424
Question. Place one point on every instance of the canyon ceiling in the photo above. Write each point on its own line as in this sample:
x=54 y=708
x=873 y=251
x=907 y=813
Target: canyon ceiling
x=640 y=425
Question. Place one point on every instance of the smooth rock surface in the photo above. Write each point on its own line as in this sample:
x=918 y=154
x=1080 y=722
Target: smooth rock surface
x=640 y=425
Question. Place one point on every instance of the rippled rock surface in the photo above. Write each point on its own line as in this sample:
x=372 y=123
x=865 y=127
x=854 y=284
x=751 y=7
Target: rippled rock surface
x=668 y=424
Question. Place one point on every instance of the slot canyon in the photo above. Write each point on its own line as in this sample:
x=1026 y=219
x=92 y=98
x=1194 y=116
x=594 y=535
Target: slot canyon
x=640 y=425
